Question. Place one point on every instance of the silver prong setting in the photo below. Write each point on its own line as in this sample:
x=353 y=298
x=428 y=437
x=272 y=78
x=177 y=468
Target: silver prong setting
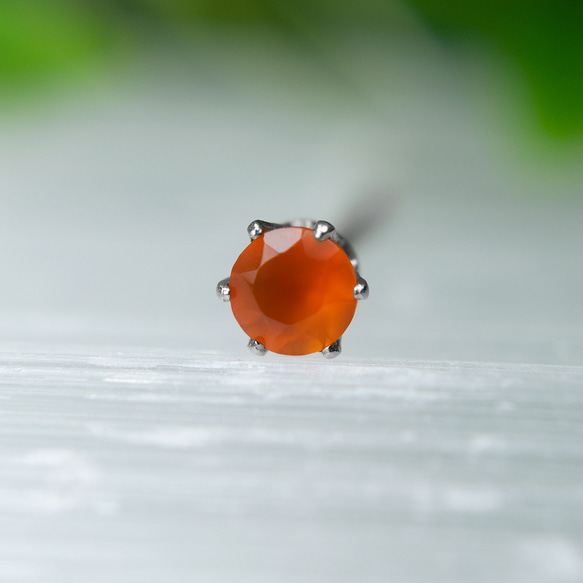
x=258 y=228
x=361 y=288
x=256 y=347
x=223 y=290
x=255 y=229
x=333 y=350
x=323 y=230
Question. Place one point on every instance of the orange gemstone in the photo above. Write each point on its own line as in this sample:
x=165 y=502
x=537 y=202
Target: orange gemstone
x=292 y=293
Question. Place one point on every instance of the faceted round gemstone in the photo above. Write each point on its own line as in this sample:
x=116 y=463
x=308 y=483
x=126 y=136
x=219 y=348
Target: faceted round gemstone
x=292 y=293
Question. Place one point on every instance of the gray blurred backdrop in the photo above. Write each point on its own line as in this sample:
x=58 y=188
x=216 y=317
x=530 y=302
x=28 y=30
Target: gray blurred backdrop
x=139 y=139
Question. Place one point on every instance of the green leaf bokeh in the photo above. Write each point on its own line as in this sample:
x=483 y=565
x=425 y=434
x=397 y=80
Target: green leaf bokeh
x=542 y=39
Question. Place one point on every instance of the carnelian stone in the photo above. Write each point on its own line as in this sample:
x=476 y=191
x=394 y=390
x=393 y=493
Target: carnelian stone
x=292 y=293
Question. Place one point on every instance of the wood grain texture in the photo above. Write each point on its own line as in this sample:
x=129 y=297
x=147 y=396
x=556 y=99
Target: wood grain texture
x=168 y=466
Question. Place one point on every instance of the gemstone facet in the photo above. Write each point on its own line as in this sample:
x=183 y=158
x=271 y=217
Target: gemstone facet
x=293 y=293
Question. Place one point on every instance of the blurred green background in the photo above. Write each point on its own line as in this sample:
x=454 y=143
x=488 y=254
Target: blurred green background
x=538 y=43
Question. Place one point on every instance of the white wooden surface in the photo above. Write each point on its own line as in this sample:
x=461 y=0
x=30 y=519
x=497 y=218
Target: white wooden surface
x=170 y=466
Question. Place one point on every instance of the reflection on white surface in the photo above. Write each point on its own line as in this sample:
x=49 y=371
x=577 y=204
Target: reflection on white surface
x=150 y=465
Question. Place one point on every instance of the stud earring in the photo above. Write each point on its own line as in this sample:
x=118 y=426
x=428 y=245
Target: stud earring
x=294 y=288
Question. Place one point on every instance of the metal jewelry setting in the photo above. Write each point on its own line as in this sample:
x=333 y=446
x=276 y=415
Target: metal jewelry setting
x=322 y=230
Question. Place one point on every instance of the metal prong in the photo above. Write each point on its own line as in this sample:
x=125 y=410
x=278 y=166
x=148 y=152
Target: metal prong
x=256 y=347
x=257 y=228
x=361 y=288
x=333 y=350
x=323 y=230
x=223 y=290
